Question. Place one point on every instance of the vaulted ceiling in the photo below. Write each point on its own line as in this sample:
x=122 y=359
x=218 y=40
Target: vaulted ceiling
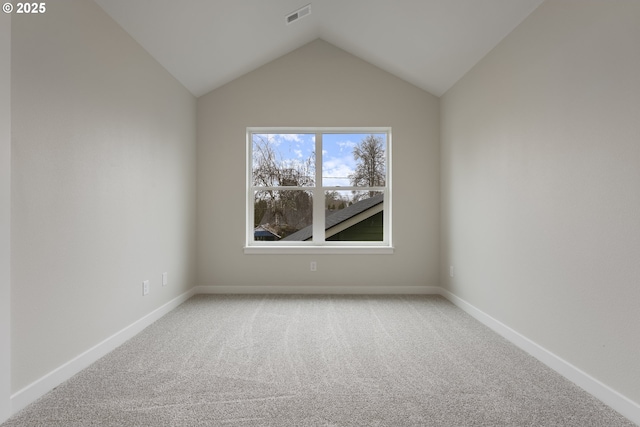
x=207 y=43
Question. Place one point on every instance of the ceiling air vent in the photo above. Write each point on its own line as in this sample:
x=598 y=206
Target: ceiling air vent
x=300 y=13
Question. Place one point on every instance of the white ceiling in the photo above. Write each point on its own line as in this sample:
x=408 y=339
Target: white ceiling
x=207 y=43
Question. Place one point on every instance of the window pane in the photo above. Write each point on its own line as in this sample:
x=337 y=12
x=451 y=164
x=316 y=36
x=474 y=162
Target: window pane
x=354 y=216
x=278 y=214
x=356 y=160
x=283 y=160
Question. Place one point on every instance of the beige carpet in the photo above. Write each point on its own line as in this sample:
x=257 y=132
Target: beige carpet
x=317 y=361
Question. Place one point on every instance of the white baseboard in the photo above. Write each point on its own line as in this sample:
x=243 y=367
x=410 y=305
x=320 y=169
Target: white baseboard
x=612 y=398
x=606 y=394
x=43 y=385
x=320 y=290
x=38 y=388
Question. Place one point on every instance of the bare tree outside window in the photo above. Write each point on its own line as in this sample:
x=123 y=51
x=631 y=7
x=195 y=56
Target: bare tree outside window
x=343 y=172
x=282 y=211
x=370 y=159
x=272 y=169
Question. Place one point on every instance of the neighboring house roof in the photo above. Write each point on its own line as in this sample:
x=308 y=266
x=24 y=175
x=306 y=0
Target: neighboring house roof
x=263 y=231
x=357 y=211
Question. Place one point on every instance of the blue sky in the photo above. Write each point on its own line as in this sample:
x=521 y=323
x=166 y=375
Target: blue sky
x=337 y=153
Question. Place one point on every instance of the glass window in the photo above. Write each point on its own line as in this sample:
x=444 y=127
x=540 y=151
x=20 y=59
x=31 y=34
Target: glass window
x=318 y=187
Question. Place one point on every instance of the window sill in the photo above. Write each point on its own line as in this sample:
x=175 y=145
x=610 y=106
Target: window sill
x=303 y=250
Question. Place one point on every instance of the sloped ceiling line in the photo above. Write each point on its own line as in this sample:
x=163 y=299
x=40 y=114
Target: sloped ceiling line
x=430 y=43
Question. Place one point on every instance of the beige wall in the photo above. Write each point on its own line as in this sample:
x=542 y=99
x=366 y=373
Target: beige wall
x=540 y=186
x=103 y=185
x=317 y=85
x=5 y=214
x=540 y=170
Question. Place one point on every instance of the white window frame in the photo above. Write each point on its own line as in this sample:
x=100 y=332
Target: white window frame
x=318 y=245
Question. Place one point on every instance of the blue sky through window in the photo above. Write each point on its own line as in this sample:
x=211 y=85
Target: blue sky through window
x=337 y=153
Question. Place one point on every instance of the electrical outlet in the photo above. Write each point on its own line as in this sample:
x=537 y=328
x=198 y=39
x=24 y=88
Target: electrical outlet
x=145 y=287
x=313 y=266
x=165 y=279
x=451 y=271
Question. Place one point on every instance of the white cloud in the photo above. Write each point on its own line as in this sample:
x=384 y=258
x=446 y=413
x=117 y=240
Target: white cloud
x=268 y=138
x=346 y=145
x=289 y=137
x=337 y=171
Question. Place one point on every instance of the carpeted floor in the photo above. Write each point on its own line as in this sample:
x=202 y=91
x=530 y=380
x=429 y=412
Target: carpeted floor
x=317 y=361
